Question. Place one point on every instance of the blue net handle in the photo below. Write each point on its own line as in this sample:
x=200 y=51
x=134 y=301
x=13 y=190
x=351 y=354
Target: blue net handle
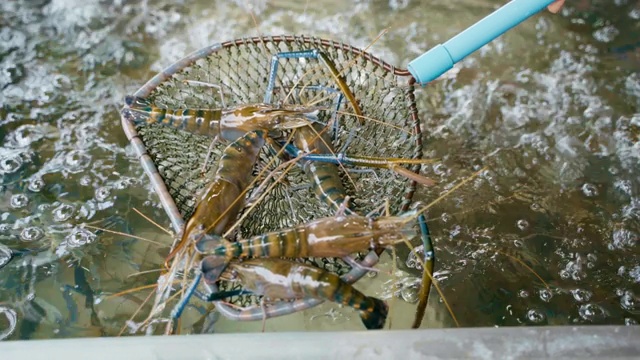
x=441 y=58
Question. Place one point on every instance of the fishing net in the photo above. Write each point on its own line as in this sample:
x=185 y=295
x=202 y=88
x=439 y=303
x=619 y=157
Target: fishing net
x=173 y=159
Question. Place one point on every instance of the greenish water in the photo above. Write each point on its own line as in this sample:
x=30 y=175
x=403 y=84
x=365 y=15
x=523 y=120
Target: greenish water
x=551 y=108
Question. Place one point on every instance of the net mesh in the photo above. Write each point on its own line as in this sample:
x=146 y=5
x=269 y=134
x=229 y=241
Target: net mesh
x=241 y=69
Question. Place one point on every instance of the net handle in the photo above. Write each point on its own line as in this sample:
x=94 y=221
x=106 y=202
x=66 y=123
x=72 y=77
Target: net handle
x=438 y=60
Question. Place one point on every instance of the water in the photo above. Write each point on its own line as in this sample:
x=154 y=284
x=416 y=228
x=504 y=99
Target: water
x=551 y=107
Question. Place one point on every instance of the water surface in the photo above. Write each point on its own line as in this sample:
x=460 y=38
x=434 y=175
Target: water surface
x=551 y=108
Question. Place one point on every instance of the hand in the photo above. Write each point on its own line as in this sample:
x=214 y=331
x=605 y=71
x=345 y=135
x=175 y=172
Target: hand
x=555 y=6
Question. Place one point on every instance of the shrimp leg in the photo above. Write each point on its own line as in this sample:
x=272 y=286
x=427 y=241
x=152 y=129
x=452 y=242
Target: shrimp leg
x=375 y=162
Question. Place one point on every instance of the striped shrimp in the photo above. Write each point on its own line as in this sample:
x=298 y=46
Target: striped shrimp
x=336 y=236
x=227 y=124
x=223 y=199
x=283 y=279
x=331 y=237
x=310 y=142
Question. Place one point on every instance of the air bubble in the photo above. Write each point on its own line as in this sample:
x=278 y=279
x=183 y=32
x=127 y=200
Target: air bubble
x=408 y=289
x=606 y=34
x=535 y=316
x=445 y=217
x=523 y=293
x=77 y=160
x=10 y=164
x=589 y=190
x=63 y=212
x=591 y=312
x=31 y=233
x=79 y=237
x=488 y=175
x=440 y=169
x=575 y=269
x=546 y=295
x=410 y=294
x=581 y=295
x=36 y=185
x=122 y=184
x=25 y=135
x=19 y=201
x=398 y=4
x=635 y=274
x=522 y=224
x=415 y=254
x=455 y=231
x=8 y=326
x=623 y=238
x=628 y=301
x=85 y=180
x=102 y=193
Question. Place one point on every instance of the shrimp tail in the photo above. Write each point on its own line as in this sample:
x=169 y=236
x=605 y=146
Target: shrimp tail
x=375 y=318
